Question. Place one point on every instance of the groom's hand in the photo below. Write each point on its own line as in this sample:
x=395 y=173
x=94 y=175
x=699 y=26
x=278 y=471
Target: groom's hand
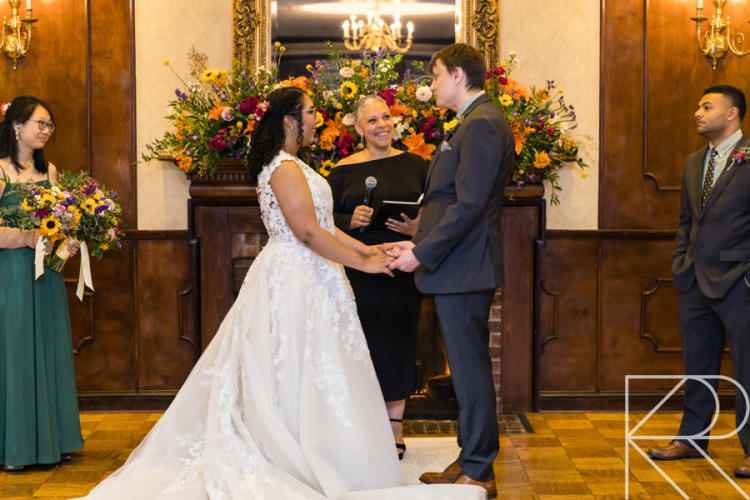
x=406 y=262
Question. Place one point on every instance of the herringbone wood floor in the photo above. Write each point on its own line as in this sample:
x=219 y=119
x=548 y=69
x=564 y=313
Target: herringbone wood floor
x=569 y=456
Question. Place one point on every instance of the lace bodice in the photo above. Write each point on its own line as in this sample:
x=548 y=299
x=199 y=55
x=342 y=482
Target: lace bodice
x=273 y=218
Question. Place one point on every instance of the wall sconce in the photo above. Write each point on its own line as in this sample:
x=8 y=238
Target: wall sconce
x=16 y=38
x=717 y=39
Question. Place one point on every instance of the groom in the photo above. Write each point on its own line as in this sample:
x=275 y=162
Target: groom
x=457 y=252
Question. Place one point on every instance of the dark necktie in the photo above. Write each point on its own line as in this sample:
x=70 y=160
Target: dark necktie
x=709 y=180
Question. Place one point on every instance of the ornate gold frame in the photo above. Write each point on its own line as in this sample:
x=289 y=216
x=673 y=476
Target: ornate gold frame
x=251 y=36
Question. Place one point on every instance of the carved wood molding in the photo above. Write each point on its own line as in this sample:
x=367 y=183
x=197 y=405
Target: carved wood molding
x=482 y=27
x=250 y=33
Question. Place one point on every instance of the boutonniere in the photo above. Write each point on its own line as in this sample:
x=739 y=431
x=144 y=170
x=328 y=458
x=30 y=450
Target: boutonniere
x=450 y=127
x=739 y=156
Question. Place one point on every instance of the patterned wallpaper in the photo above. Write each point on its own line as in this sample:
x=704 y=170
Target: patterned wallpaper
x=166 y=30
x=554 y=39
x=559 y=40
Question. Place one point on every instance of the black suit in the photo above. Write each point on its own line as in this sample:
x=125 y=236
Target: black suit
x=710 y=270
x=459 y=244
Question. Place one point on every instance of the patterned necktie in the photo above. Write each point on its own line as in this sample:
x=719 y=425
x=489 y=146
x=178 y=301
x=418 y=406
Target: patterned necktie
x=709 y=180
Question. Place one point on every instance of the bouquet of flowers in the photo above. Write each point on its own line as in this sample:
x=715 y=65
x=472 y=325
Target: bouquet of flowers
x=540 y=120
x=214 y=115
x=77 y=209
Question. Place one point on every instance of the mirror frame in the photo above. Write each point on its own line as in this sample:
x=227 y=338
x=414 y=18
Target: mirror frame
x=251 y=33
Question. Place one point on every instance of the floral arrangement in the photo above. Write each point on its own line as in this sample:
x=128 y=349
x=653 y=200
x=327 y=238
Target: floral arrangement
x=338 y=82
x=540 y=120
x=77 y=209
x=214 y=116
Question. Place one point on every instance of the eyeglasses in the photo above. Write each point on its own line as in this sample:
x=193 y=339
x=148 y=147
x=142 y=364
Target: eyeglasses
x=309 y=111
x=45 y=125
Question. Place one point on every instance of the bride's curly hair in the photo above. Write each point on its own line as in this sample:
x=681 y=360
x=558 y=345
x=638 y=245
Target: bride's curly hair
x=268 y=135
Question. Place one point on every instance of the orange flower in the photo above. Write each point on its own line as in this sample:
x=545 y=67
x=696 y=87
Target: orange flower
x=519 y=134
x=398 y=109
x=249 y=129
x=363 y=72
x=416 y=145
x=184 y=162
x=516 y=90
x=542 y=94
x=334 y=128
x=300 y=82
x=215 y=113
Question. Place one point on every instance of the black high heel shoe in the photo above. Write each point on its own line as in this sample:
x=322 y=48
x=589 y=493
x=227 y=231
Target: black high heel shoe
x=400 y=447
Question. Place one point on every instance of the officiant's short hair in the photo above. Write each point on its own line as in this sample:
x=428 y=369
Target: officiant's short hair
x=466 y=57
x=735 y=96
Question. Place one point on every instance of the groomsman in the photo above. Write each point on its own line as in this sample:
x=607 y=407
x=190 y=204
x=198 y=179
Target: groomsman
x=457 y=252
x=711 y=267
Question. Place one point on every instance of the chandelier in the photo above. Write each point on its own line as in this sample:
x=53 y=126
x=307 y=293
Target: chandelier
x=376 y=34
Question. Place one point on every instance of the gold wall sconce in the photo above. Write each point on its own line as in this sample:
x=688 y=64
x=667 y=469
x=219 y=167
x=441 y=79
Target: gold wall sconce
x=16 y=38
x=717 y=39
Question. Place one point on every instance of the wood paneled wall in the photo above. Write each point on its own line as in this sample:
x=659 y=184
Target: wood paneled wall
x=134 y=337
x=608 y=307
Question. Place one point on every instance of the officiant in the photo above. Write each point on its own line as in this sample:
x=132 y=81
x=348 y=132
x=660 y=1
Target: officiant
x=388 y=307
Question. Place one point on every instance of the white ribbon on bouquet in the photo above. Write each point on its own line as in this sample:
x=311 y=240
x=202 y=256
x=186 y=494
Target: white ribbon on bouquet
x=84 y=272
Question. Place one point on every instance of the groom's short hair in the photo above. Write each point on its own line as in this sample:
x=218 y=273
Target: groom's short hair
x=466 y=57
x=735 y=96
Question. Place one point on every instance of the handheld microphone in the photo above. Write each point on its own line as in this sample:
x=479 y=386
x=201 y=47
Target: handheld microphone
x=370 y=184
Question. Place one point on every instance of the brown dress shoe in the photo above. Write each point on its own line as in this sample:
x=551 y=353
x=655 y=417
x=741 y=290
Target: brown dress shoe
x=489 y=486
x=449 y=475
x=743 y=469
x=674 y=451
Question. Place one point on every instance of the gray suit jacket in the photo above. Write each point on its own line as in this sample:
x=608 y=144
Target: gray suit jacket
x=713 y=244
x=459 y=240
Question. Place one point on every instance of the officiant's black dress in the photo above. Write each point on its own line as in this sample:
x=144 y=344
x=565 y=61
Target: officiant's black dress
x=388 y=307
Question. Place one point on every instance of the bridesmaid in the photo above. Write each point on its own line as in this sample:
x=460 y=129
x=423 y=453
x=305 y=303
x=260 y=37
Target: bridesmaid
x=39 y=421
x=388 y=307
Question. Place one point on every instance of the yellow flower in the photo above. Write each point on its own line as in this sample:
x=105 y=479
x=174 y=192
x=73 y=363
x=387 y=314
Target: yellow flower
x=50 y=226
x=47 y=198
x=166 y=62
x=521 y=171
x=338 y=105
x=210 y=75
x=89 y=206
x=503 y=64
x=583 y=173
x=76 y=214
x=239 y=124
x=27 y=204
x=282 y=49
x=506 y=100
x=541 y=160
x=450 y=125
x=326 y=167
x=104 y=246
x=277 y=44
x=318 y=119
x=348 y=90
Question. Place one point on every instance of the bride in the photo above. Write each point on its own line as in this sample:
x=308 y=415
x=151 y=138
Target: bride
x=284 y=403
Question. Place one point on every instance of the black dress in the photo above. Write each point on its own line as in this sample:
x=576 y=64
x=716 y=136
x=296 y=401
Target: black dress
x=388 y=307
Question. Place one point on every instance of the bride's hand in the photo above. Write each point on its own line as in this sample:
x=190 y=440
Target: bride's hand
x=378 y=263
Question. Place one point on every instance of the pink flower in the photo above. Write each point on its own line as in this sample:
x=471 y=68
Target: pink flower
x=226 y=114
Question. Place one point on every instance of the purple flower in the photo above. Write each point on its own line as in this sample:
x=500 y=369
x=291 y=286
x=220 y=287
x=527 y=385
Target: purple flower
x=100 y=209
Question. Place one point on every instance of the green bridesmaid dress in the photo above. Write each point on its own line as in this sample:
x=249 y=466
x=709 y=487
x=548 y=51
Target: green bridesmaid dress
x=38 y=400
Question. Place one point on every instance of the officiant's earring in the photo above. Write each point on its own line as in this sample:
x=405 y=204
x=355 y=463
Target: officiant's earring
x=18 y=132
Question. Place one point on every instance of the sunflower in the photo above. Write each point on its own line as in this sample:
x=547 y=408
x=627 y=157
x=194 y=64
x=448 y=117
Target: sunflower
x=89 y=206
x=210 y=75
x=27 y=204
x=47 y=198
x=348 y=90
x=50 y=226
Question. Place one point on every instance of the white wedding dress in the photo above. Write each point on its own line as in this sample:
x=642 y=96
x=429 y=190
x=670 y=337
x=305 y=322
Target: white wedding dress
x=284 y=403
